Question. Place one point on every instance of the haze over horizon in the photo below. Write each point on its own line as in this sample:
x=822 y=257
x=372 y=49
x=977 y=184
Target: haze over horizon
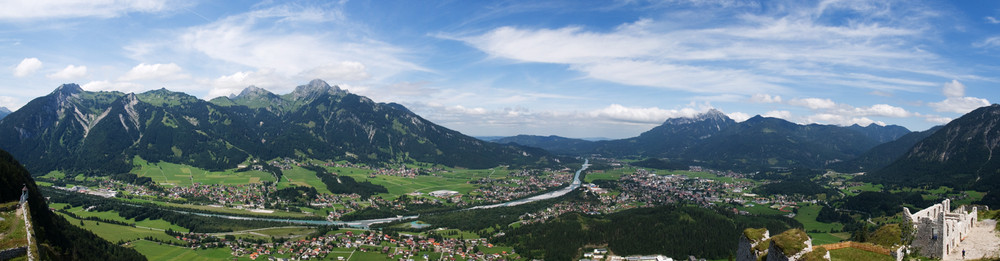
x=567 y=68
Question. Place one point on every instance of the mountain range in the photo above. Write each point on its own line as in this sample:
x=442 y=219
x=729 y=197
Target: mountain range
x=714 y=139
x=73 y=129
x=959 y=154
x=4 y=112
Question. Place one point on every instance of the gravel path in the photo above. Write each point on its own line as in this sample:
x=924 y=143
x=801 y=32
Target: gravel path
x=982 y=242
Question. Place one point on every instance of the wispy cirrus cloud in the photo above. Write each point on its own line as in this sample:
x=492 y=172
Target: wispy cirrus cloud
x=30 y=9
x=752 y=53
x=162 y=72
x=71 y=72
x=277 y=43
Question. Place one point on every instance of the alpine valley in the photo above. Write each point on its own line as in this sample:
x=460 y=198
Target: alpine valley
x=324 y=174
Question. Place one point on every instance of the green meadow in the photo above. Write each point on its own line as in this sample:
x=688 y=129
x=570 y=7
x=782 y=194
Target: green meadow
x=301 y=177
x=116 y=233
x=112 y=215
x=157 y=251
x=851 y=254
x=171 y=174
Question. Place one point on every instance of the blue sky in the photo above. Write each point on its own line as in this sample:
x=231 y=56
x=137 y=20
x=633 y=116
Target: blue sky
x=570 y=68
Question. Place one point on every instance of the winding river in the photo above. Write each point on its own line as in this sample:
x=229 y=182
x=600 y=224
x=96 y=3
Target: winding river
x=368 y=222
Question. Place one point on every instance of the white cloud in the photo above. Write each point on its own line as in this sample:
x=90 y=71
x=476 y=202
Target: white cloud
x=956 y=101
x=27 y=67
x=651 y=115
x=826 y=118
x=69 y=73
x=959 y=104
x=738 y=116
x=9 y=102
x=778 y=114
x=988 y=42
x=163 y=72
x=765 y=98
x=813 y=103
x=236 y=82
x=751 y=53
x=678 y=77
x=338 y=72
x=992 y=20
x=29 y=9
x=938 y=120
x=270 y=39
x=126 y=87
x=469 y=111
x=953 y=89
x=883 y=110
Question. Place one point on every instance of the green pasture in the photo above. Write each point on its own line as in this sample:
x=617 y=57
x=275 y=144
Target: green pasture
x=807 y=216
x=828 y=238
x=455 y=233
x=762 y=210
x=852 y=254
x=224 y=210
x=171 y=174
x=862 y=188
x=302 y=177
x=610 y=174
x=282 y=232
x=157 y=252
x=401 y=185
x=112 y=215
x=704 y=175
x=115 y=233
x=12 y=232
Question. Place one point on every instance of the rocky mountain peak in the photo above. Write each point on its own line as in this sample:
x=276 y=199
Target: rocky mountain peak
x=4 y=110
x=710 y=115
x=253 y=91
x=68 y=89
x=314 y=88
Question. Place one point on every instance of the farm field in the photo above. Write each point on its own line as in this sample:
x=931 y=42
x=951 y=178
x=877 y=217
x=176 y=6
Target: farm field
x=111 y=215
x=302 y=177
x=807 y=216
x=225 y=210
x=453 y=179
x=157 y=251
x=170 y=174
x=117 y=233
x=704 y=175
x=610 y=174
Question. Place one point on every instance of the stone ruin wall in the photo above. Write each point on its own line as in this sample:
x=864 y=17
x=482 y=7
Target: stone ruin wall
x=938 y=230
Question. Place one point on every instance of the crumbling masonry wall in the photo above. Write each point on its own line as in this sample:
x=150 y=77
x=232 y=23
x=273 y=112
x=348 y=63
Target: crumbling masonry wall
x=939 y=230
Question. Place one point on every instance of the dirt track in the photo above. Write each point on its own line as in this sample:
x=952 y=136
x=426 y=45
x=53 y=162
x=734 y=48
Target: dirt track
x=982 y=242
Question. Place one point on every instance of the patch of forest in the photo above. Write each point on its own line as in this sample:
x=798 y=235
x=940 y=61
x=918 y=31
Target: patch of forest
x=195 y=223
x=675 y=231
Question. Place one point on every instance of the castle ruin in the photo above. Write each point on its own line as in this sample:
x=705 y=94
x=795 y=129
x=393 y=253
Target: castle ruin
x=791 y=245
x=939 y=230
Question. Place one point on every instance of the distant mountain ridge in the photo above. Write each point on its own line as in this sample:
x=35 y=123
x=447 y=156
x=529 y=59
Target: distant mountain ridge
x=4 y=112
x=714 y=139
x=884 y=154
x=73 y=129
x=554 y=144
x=959 y=155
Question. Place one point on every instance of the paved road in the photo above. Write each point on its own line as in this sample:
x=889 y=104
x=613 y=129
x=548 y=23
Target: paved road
x=983 y=241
